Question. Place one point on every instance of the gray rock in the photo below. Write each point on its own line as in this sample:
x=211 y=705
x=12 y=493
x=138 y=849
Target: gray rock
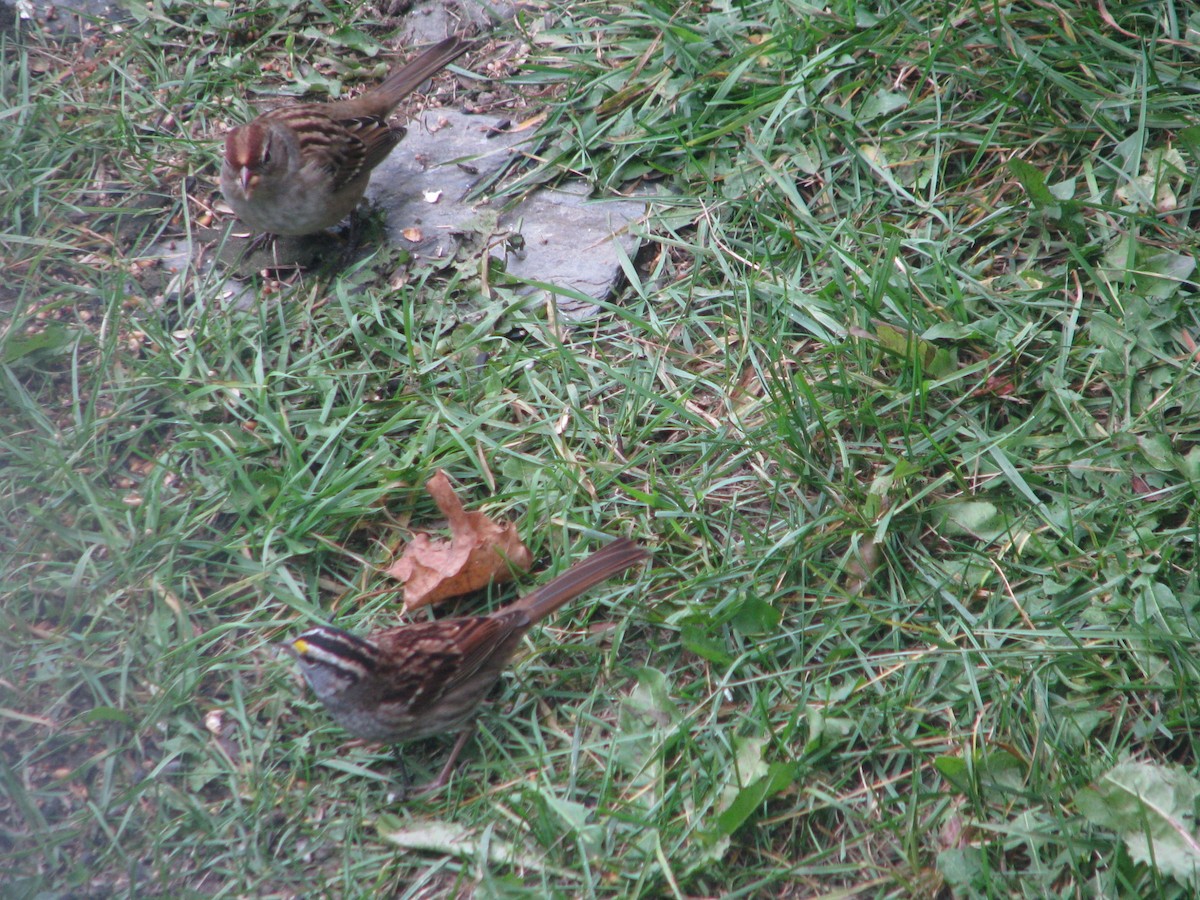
x=11 y=16
x=422 y=186
x=70 y=17
x=571 y=242
x=432 y=20
x=566 y=239
x=177 y=263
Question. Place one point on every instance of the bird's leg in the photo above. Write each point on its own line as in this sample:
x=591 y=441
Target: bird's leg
x=448 y=768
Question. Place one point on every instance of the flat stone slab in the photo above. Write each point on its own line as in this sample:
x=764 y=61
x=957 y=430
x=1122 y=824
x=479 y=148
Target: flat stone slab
x=568 y=242
x=71 y=18
x=573 y=242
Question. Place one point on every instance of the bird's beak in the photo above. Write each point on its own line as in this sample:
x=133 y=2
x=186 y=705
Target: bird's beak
x=244 y=177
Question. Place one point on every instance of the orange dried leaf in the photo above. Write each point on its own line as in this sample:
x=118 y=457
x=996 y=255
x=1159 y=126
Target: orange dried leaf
x=478 y=552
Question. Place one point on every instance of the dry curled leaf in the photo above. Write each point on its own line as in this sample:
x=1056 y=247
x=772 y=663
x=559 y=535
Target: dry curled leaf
x=478 y=552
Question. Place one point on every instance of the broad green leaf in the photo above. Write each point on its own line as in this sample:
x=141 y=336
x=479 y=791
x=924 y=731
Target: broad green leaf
x=443 y=837
x=699 y=639
x=990 y=774
x=934 y=361
x=756 y=616
x=779 y=777
x=976 y=518
x=1152 y=808
x=1057 y=211
x=644 y=721
x=962 y=868
x=881 y=103
x=51 y=337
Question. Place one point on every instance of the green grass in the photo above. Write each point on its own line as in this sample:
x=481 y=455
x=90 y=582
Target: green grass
x=905 y=400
